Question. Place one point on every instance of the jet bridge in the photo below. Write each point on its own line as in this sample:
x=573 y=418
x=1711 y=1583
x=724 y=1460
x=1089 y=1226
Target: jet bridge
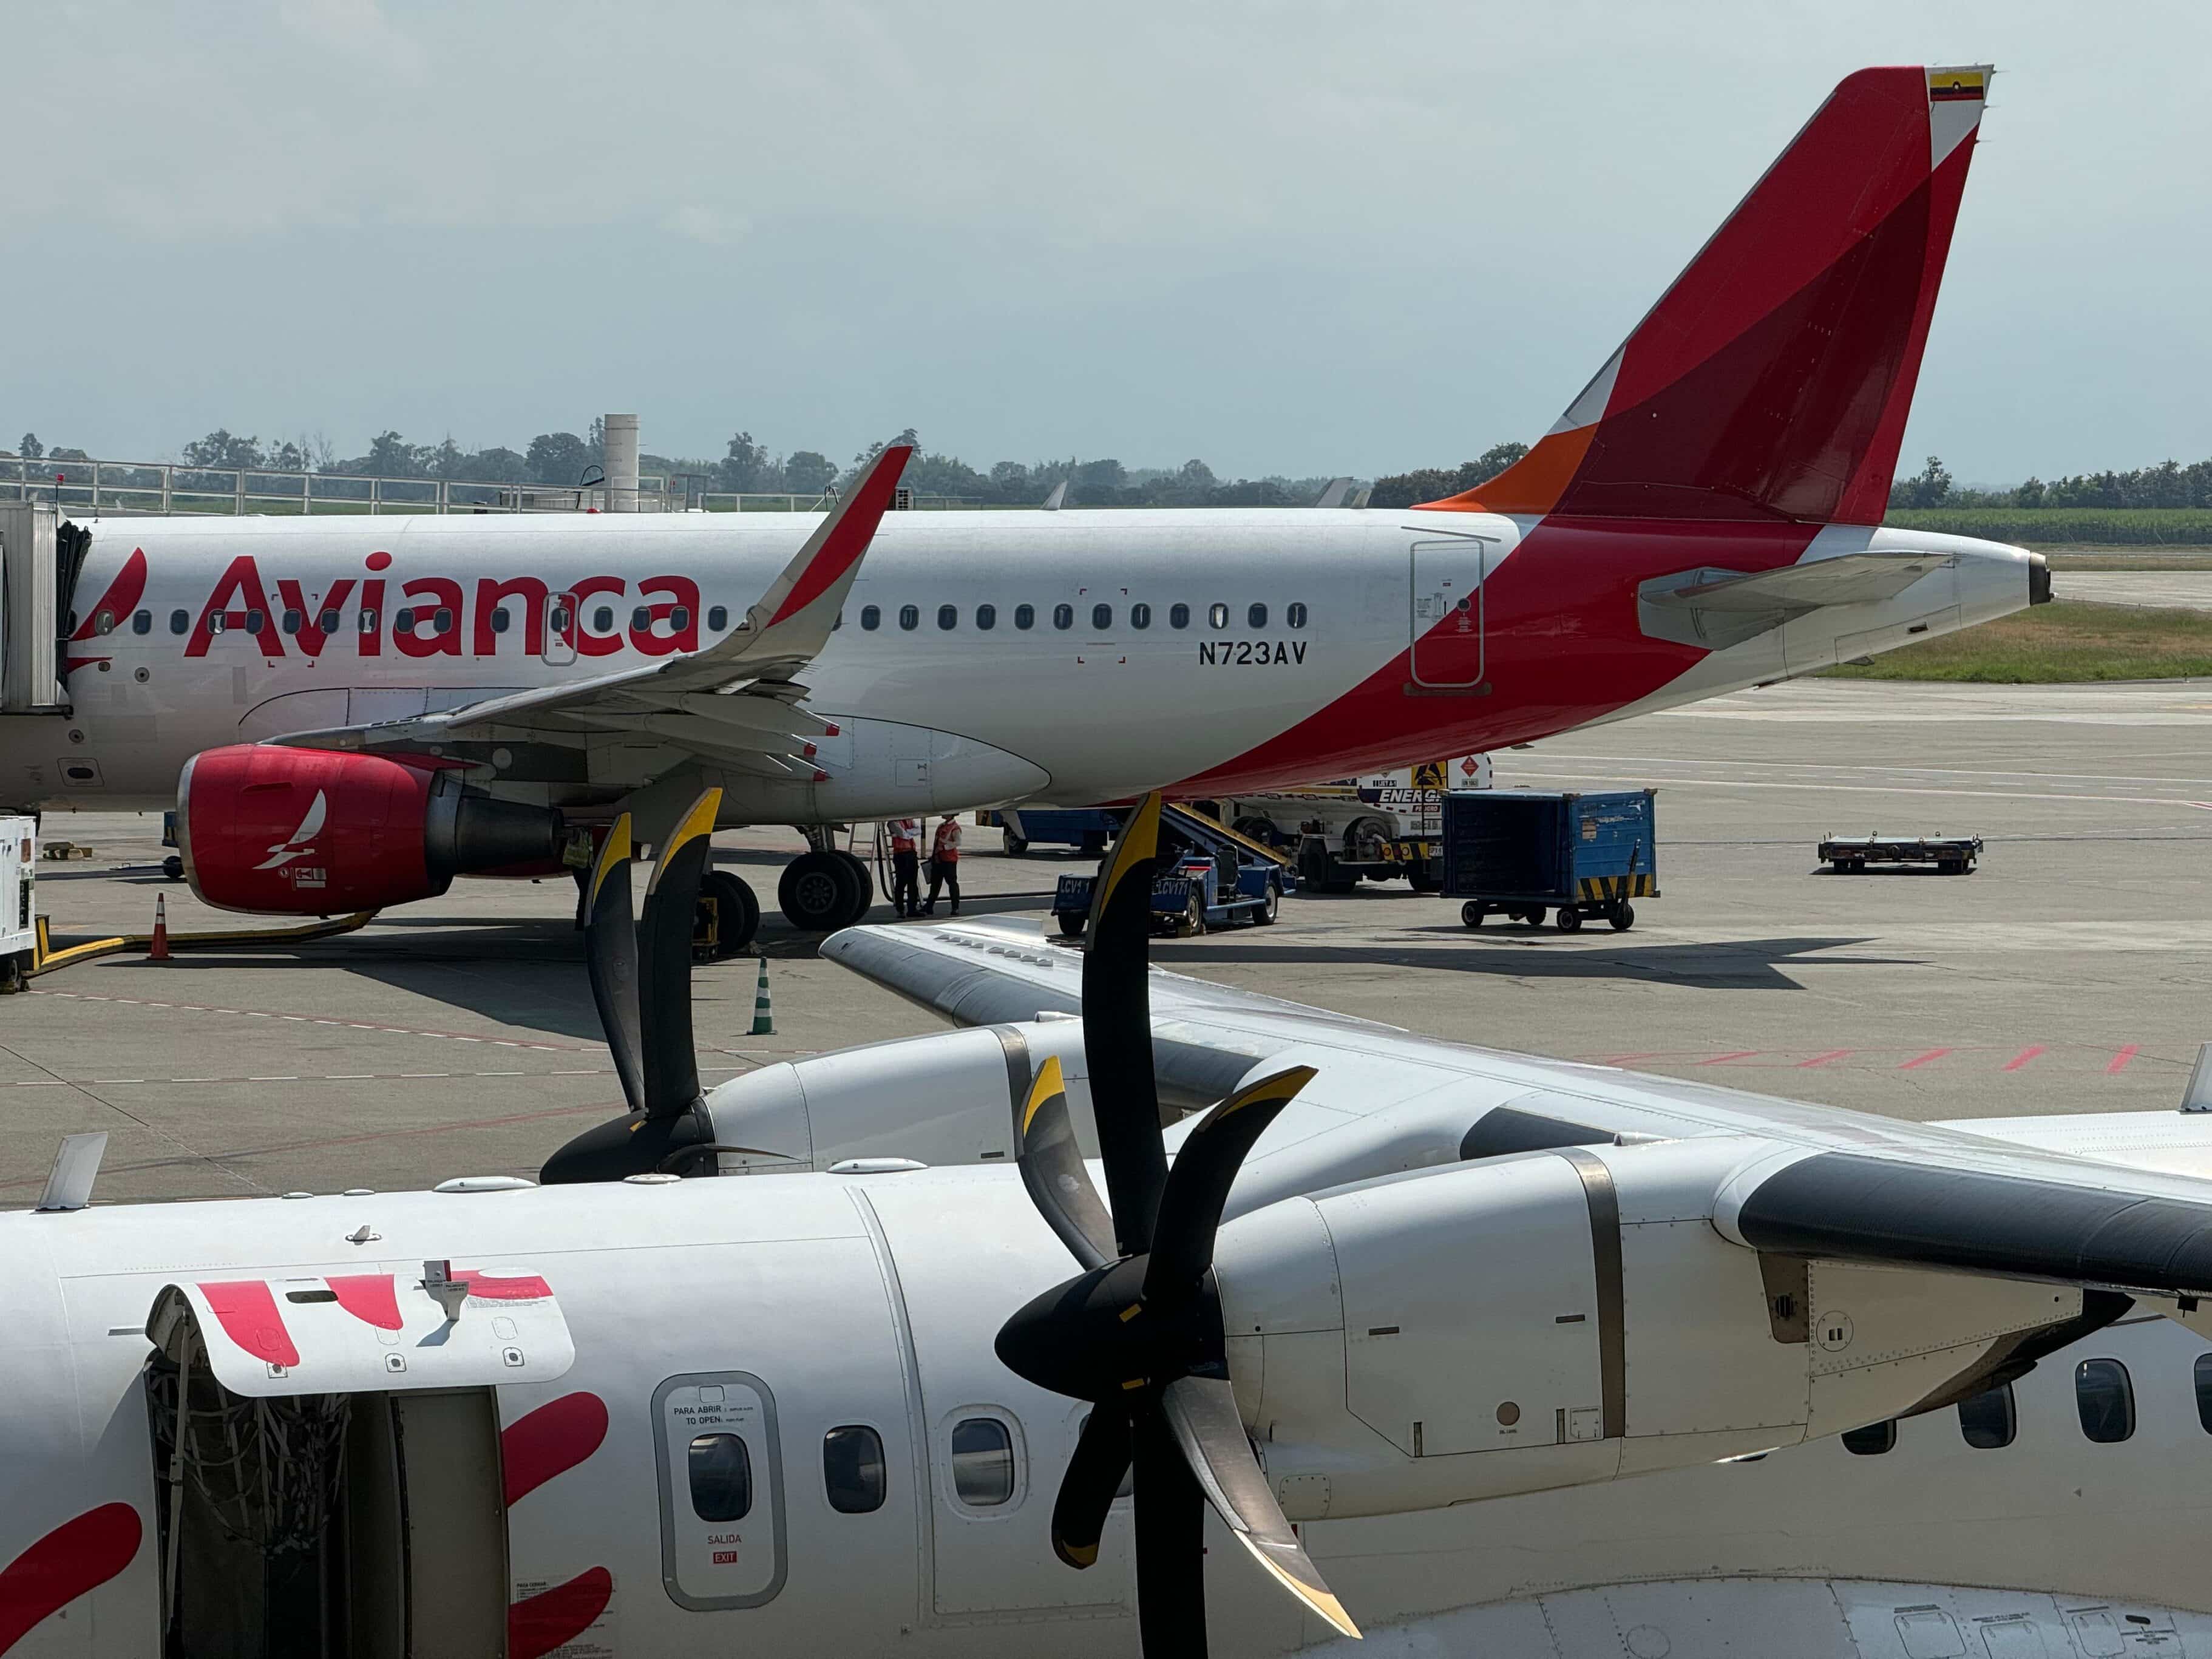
x=39 y=564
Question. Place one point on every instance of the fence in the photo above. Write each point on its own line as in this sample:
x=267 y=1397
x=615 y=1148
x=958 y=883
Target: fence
x=162 y=487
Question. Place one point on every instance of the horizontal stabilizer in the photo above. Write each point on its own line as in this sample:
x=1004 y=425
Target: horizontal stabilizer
x=1716 y=608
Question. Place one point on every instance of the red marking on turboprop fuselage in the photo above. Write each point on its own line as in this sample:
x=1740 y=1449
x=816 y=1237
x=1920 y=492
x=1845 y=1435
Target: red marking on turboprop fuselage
x=550 y=1441
x=77 y=1556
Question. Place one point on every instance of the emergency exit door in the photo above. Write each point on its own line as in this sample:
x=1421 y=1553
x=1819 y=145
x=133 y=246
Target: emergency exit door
x=1446 y=612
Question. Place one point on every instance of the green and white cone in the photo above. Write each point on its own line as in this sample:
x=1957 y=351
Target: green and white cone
x=763 y=1016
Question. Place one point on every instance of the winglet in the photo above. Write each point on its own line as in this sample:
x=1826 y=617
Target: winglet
x=814 y=584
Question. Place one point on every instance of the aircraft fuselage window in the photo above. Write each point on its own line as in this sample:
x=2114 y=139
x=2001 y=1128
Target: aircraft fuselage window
x=1025 y=615
x=1063 y=616
x=852 y=1469
x=1297 y=614
x=1217 y=616
x=181 y=621
x=721 y=1472
x=2201 y=1376
x=679 y=618
x=871 y=619
x=602 y=620
x=1102 y=616
x=500 y=619
x=443 y=622
x=987 y=617
x=1140 y=616
x=367 y=623
x=910 y=618
x=216 y=622
x=1178 y=616
x=718 y=618
x=1988 y=1420
x=256 y=621
x=557 y=620
x=328 y=622
x=142 y=622
x=2106 y=1400
x=641 y=618
x=982 y=1462
x=291 y=620
x=403 y=621
x=1256 y=617
x=103 y=622
x=1873 y=1440
x=948 y=617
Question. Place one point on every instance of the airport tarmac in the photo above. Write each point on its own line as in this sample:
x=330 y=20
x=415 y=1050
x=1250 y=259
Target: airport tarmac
x=2071 y=972
x=2161 y=590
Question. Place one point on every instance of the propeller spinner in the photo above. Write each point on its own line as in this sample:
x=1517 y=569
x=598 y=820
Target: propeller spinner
x=1138 y=1332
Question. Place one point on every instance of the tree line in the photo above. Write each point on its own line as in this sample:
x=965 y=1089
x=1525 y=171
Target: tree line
x=2169 y=484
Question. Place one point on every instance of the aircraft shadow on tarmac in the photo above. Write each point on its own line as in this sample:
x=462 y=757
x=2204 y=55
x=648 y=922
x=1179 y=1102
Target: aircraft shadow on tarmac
x=1736 y=965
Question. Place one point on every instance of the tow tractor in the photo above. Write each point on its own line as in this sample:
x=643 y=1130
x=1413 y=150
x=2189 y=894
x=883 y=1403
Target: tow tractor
x=1210 y=876
x=1378 y=827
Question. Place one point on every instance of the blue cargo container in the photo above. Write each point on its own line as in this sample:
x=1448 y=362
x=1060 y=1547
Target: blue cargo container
x=1521 y=853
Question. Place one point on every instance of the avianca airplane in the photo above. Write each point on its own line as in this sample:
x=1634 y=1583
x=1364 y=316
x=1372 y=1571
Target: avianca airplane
x=360 y=710
x=1379 y=1348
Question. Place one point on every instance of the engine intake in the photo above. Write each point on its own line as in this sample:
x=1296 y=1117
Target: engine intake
x=318 y=832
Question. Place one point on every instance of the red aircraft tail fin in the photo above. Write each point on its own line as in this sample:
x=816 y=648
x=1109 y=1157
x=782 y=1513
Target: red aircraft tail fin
x=1773 y=379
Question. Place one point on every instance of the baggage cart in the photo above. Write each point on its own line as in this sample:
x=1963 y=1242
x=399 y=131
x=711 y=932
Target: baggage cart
x=1578 y=856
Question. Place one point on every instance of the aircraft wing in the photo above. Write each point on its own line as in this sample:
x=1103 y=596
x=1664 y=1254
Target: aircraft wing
x=735 y=702
x=1788 y=1177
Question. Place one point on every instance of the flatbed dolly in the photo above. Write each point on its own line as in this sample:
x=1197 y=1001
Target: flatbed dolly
x=1952 y=855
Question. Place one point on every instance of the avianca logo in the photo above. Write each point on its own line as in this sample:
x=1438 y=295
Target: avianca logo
x=356 y=606
x=300 y=841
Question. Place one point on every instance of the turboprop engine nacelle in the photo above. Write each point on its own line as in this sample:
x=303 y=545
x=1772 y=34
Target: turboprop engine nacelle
x=1570 y=1315
x=316 y=832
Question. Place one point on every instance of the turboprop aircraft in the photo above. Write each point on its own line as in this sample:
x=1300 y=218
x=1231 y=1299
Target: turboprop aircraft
x=361 y=709
x=821 y=1413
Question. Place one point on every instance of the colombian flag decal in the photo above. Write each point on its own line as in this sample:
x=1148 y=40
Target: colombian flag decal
x=1956 y=86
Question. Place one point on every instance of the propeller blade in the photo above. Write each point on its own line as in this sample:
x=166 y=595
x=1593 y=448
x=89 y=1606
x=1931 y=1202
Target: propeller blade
x=1117 y=1029
x=1201 y=1412
x=1198 y=1185
x=671 y=1061
x=1170 y=1528
x=1053 y=1169
x=610 y=958
x=1087 y=1489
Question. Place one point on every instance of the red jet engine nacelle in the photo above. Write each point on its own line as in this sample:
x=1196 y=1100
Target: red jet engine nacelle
x=317 y=832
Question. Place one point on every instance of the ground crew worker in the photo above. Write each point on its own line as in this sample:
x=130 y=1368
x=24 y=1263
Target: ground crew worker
x=906 y=865
x=944 y=864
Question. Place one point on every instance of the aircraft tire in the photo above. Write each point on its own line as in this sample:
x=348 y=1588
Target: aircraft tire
x=1013 y=844
x=738 y=912
x=1072 y=923
x=865 y=898
x=817 y=891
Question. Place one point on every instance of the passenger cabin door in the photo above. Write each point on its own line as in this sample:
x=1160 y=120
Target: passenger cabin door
x=1446 y=621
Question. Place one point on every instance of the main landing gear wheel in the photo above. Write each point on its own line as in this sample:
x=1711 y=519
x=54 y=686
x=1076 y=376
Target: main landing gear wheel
x=1472 y=914
x=867 y=889
x=1569 y=921
x=1072 y=923
x=1013 y=844
x=174 y=867
x=737 y=913
x=817 y=891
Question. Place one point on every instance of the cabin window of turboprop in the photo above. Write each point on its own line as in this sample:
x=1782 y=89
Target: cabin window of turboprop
x=256 y=621
x=499 y=619
x=852 y=1470
x=871 y=618
x=103 y=622
x=290 y=621
x=982 y=1462
x=368 y=623
x=1297 y=615
x=1217 y=616
x=1873 y=1440
x=2201 y=1376
x=1178 y=616
x=987 y=619
x=718 y=618
x=1988 y=1420
x=1140 y=616
x=328 y=622
x=948 y=617
x=721 y=1472
x=1102 y=616
x=1256 y=617
x=1063 y=617
x=2107 y=1400
x=181 y=621
x=910 y=618
x=602 y=620
x=142 y=622
x=1025 y=616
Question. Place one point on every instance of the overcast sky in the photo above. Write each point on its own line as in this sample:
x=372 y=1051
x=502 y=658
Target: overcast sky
x=1303 y=238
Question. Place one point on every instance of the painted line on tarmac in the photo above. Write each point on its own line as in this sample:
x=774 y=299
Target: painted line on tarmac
x=1890 y=789
x=356 y=1077
x=315 y=1019
x=2111 y=1062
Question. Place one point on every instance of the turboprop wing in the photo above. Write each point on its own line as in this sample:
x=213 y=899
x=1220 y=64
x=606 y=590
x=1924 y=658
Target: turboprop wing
x=735 y=703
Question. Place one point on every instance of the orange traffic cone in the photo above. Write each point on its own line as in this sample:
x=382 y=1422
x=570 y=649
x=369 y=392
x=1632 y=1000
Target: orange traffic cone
x=160 y=951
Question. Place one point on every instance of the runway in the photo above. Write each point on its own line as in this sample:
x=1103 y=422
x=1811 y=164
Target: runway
x=2072 y=973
